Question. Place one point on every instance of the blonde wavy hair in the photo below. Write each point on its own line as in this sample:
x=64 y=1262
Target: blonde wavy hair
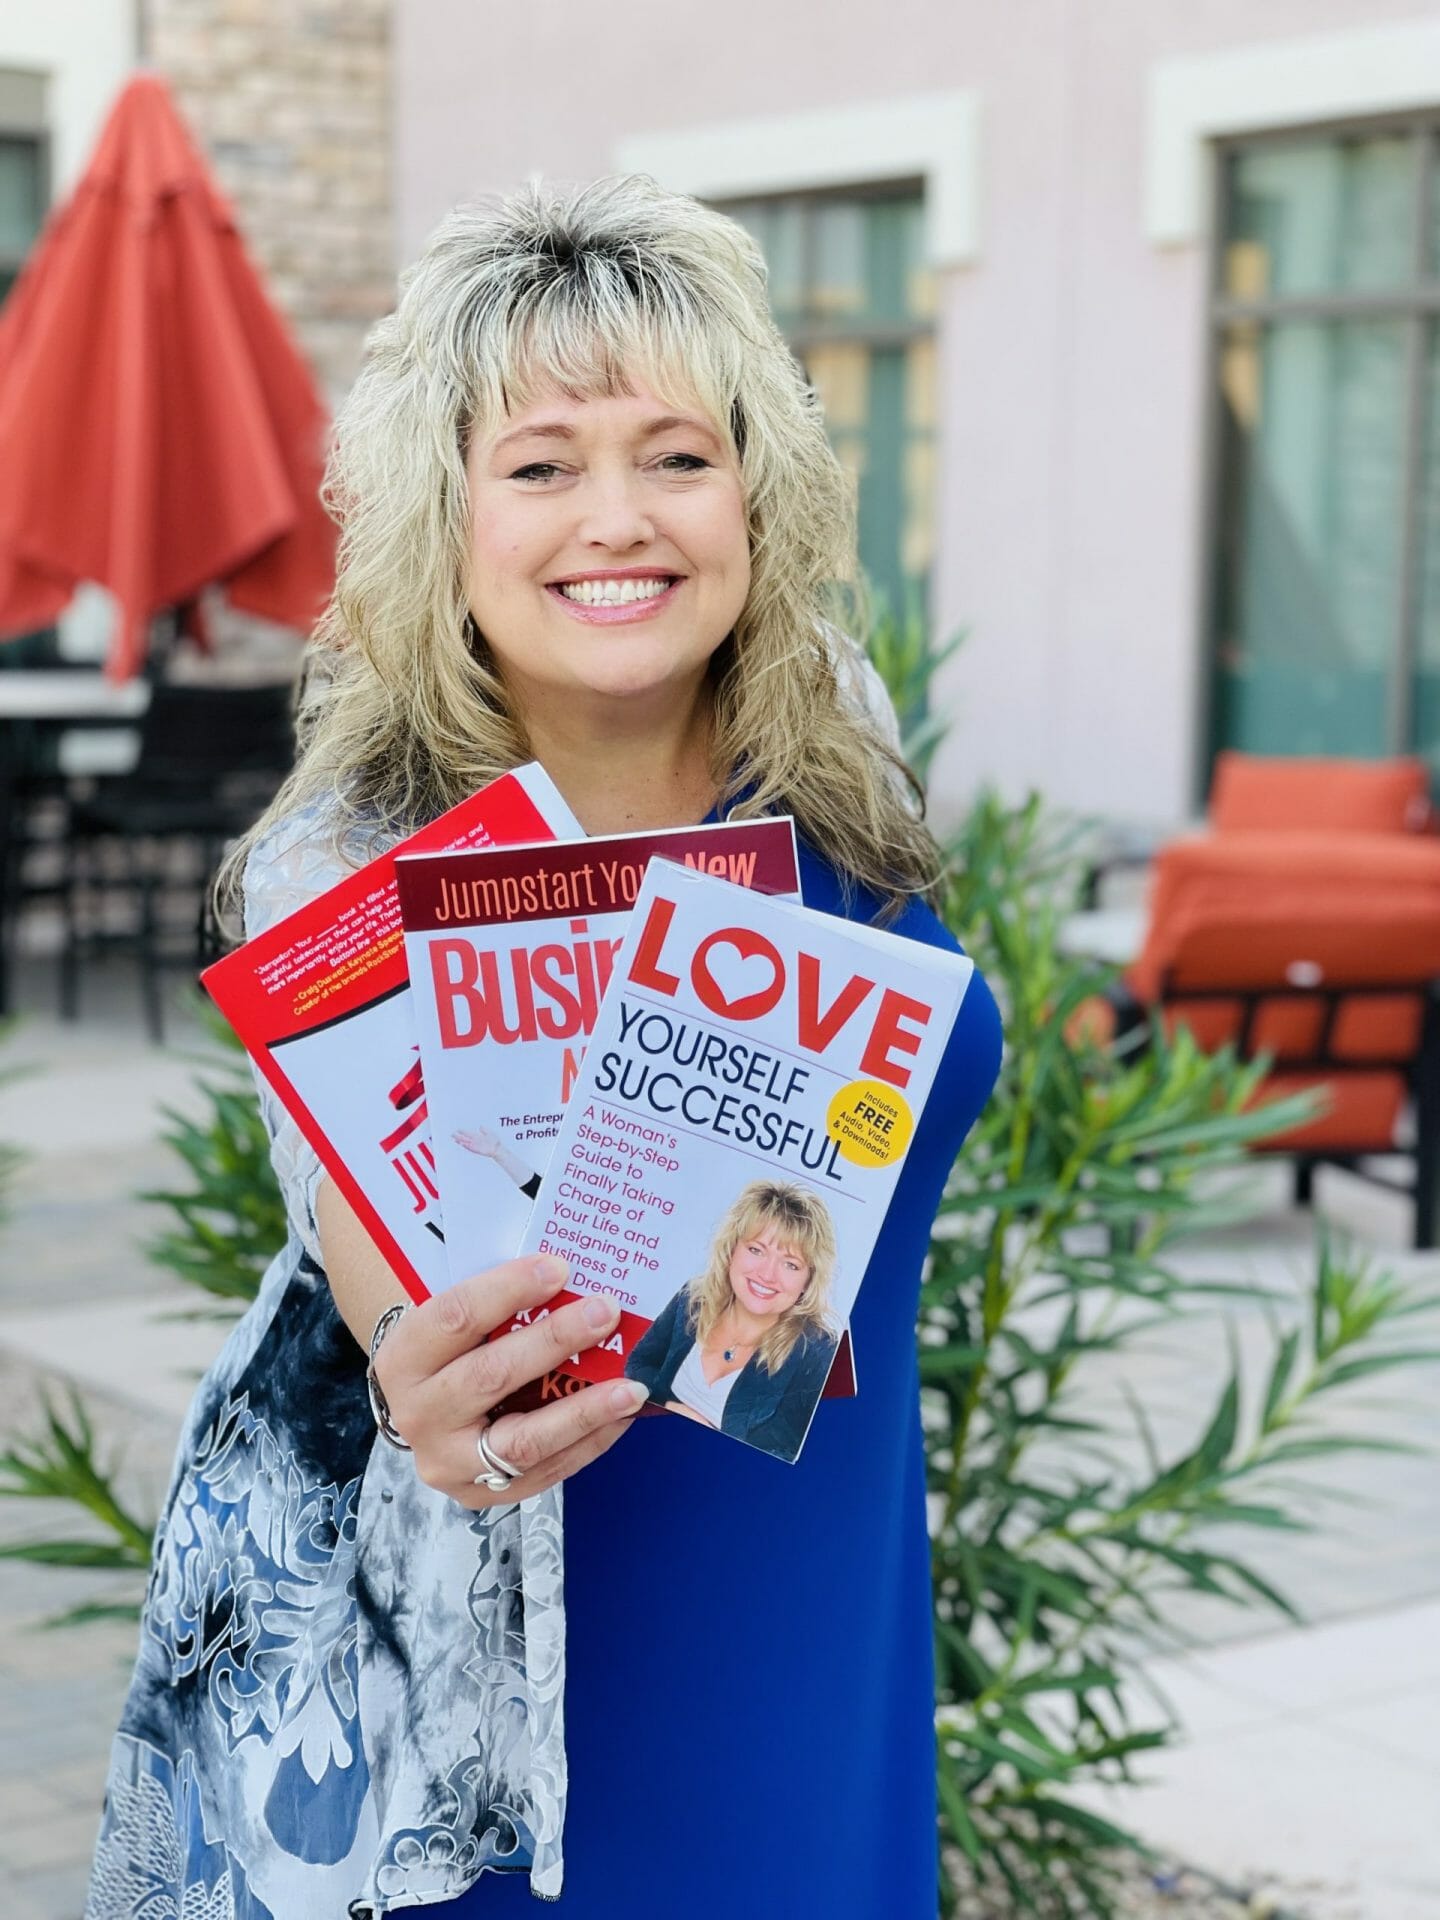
x=803 y=1221
x=585 y=290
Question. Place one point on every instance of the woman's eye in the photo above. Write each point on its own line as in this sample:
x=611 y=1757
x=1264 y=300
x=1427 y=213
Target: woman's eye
x=539 y=470
x=687 y=463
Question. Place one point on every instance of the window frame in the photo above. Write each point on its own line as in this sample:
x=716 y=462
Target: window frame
x=872 y=335
x=39 y=139
x=1416 y=306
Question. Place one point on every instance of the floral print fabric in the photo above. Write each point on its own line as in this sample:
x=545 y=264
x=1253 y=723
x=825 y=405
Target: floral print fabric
x=348 y=1696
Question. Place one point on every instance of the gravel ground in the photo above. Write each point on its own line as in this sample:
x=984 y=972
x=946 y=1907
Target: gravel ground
x=1164 y=1891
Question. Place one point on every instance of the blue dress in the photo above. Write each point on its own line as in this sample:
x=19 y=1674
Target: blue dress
x=750 y=1693
x=348 y=1696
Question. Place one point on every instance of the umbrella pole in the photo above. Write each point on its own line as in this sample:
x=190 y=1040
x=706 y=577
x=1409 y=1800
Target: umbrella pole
x=164 y=639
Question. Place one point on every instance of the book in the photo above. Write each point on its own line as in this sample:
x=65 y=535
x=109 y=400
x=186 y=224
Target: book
x=510 y=952
x=749 y=1095
x=321 y=1002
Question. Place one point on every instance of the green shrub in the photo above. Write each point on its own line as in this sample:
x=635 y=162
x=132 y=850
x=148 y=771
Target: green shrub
x=1057 y=1548
x=229 y=1220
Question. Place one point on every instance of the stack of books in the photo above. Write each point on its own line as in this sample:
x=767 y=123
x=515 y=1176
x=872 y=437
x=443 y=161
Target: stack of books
x=642 y=1053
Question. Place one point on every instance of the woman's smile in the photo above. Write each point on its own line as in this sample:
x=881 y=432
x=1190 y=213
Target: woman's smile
x=618 y=596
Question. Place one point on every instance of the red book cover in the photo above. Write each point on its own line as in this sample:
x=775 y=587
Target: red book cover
x=321 y=1001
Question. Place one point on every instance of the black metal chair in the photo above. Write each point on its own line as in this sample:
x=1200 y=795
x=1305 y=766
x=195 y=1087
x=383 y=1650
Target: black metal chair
x=211 y=758
x=34 y=794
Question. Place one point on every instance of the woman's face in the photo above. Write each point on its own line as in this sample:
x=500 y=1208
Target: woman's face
x=767 y=1274
x=609 y=555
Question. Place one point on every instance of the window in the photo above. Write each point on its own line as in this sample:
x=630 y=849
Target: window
x=852 y=292
x=1326 y=314
x=22 y=202
x=24 y=185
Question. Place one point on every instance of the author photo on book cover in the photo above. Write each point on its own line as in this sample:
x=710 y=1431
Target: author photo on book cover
x=746 y=1346
x=589 y=517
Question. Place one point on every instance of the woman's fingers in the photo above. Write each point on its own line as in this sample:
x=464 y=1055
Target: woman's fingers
x=466 y=1390
x=462 y=1318
x=561 y=1439
x=528 y=1441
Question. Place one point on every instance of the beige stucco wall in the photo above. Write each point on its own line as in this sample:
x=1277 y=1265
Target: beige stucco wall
x=1073 y=346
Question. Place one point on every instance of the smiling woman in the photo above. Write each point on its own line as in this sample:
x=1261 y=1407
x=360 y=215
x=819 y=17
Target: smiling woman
x=747 y=1346
x=634 y=521
x=588 y=514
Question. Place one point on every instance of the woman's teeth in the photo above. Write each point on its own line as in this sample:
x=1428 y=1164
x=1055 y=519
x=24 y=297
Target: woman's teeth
x=765 y=1293
x=614 y=593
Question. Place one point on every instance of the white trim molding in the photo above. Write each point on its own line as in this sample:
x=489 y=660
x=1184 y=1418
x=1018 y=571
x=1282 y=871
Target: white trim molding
x=1279 y=83
x=933 y=135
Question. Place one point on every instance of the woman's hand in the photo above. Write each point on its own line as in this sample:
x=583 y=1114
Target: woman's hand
x=442 y=1376
x=480 y=1140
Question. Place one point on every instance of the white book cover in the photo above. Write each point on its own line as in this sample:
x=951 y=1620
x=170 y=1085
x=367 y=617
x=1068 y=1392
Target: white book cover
x=510 y=952
x=733 y=1139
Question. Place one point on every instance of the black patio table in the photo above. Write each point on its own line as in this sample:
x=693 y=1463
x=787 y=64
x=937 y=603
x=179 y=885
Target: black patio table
x=36 y=707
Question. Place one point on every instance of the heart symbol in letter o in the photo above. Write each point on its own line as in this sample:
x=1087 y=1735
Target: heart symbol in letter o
x=737 y=974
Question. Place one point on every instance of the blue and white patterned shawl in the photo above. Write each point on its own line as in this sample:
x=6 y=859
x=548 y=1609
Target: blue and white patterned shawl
x=346 y=1680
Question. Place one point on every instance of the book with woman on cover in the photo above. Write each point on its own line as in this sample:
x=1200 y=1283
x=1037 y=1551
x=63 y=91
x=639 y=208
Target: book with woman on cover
x=733 y=1139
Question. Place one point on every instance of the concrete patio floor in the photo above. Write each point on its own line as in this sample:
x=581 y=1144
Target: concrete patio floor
x=1312 y=1758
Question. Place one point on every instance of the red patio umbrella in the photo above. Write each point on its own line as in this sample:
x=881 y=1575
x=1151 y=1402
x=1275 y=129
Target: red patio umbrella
x=159 y=431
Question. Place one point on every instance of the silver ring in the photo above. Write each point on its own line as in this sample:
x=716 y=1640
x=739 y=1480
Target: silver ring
x=499 y=1472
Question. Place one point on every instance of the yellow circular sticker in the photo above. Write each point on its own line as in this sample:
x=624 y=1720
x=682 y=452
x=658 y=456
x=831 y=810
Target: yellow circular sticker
x=871 y=1123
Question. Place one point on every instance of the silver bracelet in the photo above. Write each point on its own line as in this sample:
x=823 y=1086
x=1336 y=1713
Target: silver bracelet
x=379 y=1405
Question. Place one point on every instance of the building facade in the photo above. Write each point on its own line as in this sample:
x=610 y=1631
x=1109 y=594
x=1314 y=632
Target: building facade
x=1123 y=312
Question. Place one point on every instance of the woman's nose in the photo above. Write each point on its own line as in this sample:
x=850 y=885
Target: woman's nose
x=615 y=515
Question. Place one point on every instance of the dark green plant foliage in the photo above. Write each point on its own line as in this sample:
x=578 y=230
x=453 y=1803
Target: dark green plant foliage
x=62 y=1463
x=908 y=660
x=229 y=1221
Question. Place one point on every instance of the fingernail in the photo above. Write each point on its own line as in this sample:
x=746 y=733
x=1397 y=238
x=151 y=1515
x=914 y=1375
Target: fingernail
x=627 y=1395
x=600 y=1310
x=550 y=1269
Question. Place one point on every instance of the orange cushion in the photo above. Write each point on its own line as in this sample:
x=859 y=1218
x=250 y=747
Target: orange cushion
x=1361 y=1112
x=1253 y=792
x=1253 y=909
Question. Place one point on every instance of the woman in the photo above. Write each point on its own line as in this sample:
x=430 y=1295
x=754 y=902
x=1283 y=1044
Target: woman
x=588 y=515
x=746 y=1347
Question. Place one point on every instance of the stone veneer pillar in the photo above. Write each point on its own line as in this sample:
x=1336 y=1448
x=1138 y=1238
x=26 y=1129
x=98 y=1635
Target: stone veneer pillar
x=292 y=104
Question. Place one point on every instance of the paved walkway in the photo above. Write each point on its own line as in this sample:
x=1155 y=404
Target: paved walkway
x=1313 y=1757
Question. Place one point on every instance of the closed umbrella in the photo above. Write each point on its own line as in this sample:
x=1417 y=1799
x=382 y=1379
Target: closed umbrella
x=159 y=431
